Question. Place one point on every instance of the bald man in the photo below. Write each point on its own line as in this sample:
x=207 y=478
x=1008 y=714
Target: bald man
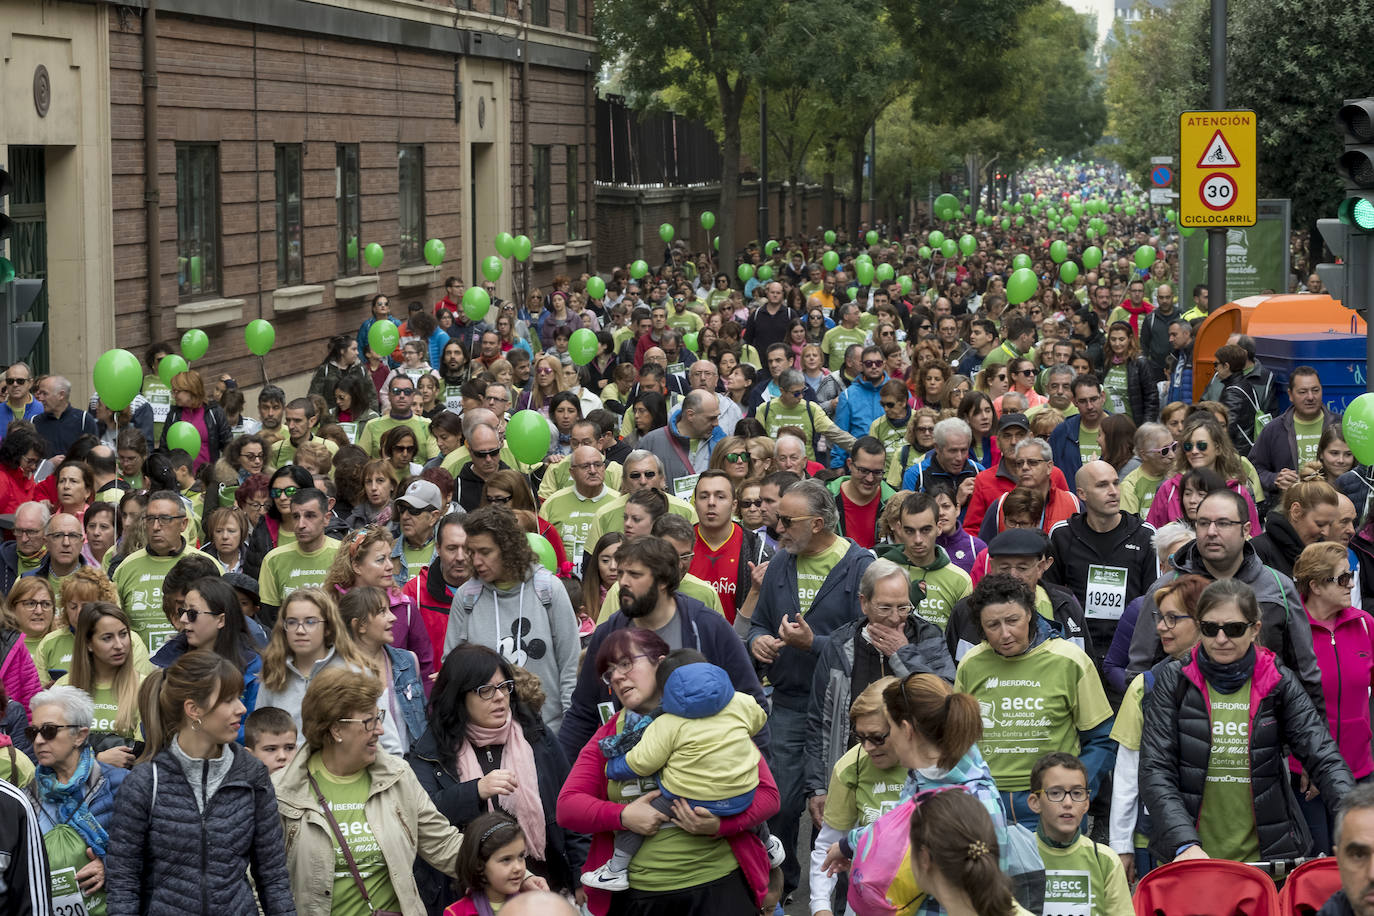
x=1103 y=555
x=537 y=903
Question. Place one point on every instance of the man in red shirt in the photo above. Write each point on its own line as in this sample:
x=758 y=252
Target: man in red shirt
x=453 y=298
x=725 y=554
x=861 y=495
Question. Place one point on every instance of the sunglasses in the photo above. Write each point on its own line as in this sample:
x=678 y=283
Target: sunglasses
x=1164 y=452
x=1200 y=446
x=873 y=740
x=193 y=615
x=408 y=509
x=1344 y=580
x=49 y=731
x=644 y=475
x=1235 y=629
x=890 y=405
x=750 y=503
x=737 y=457
x=786 y=521
x=279 y=492
x=489 y=453
x=397 y=392
x=873 y=363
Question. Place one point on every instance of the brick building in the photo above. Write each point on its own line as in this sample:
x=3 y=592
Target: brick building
x=290 y=134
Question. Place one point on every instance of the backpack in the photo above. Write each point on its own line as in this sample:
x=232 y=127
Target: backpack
x=1262 y=419
x=810 y=420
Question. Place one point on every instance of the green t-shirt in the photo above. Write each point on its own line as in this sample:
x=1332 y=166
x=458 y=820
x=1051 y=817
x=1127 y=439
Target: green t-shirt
x=686 y=322
x=139 y=583
x=1226 y=824
x=283 y=452
x=53 y=657
x=837 y=340
x=892 y=437
x=1138 y=492
x=288 y=568
x=808 y=416
x=1309 y=435
x=572 y=514
x=107 y=710
x=812 y=571
x=417 y=557
x=1117 y=390
x=1032 y=704
x=1086 y=879
x=1088 y=446
x=1130 y=718
x=370 y=439
x=860 y=792
x=945 y=586
x=347 y=799
x=1000 y=355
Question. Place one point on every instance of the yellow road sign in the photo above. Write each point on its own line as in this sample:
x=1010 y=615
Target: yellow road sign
x=1216 y=188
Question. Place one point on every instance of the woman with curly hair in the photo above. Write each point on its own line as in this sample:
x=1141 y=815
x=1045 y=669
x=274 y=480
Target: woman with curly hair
x=515 y=605
x=511 y=489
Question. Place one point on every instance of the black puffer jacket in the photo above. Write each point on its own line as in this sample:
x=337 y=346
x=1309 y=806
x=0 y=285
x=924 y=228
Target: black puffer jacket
x=1279 y=546
x=1141 y=391
x=1176 y=743
x=167 y=858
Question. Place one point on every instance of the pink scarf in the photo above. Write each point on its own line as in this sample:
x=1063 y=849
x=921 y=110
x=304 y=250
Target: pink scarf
x=517 y=755
x=1135 y=311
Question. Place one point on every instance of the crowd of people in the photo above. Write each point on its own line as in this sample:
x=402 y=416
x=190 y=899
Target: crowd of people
x=806 y=552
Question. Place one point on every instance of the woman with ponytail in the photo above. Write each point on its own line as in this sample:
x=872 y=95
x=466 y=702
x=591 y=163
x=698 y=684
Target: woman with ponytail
x=197 y=815
x=955 y=849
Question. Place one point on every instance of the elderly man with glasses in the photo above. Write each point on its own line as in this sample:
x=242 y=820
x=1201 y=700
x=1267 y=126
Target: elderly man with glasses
x=572 y=509
x=20 y=404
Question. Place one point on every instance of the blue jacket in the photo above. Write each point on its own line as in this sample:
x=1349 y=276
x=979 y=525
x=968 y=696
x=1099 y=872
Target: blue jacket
x=437 y=341
x=362 y=338
x=920 y=476
x=102 y=785
x=860 y=405
x=177 y=646
x=1181 y=377
x=1064 y=445
x=834 y=606
x=702 y=629
x=409 y=692
x=31 y=410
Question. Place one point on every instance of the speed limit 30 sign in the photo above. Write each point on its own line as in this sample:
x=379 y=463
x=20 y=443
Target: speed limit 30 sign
x=1217 y=169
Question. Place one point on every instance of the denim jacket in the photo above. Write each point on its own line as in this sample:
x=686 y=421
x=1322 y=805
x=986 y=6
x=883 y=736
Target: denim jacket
x=409 y=692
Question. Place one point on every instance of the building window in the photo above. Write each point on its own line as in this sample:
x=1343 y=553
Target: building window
x=346 y=185
x=290 y=224
x=197 y=220
x=570 y=15
x=542 y=183
x=539 y=12
x=572 y=193
x=410 y=165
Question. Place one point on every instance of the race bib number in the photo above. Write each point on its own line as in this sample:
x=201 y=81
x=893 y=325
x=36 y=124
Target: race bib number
x=1106 y=597
x=684 y=487
x=1068 y=893
x=453 y=400
x=162 y=404
x=676 y=369
x=67 y=899
x=350 y=430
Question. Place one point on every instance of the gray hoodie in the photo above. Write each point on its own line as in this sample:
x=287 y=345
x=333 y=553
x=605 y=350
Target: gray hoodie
x=292 y=693
x=532 y=625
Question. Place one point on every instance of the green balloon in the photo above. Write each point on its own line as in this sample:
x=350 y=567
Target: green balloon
x=665 y=232
x=764 y=273
x=830 y=260
x=639 y=270
x=1021 y=261
x=505 y=244
x=542 y=548
x=968 y=244
x=708 y=220
x=770 y=246
x=1006 y=223
x=871 y=237
x=434 y=252
x=1076 y=207
x=374 y=255
x=1020 y=221
x=476 y=302
x=6 y=271
x=852 y=292
x=949 y=248
x=905 y=283
x=946 y=202
x=1092 y=257
x=1070 y=223
x=118 y=377
x=528 y=436
x=596 y=287
x=184 y=436
x=582 y=346
x=924 y=252
x=968 y=208
x=169 y=366
x=745 y=272
x=884 y=273
x=1145 y=256
x=195 y=343
x=863 y=272
x=1021 y=285
x=1068 y=271
x=830 y=236
x=383 y=337
x=1357 y=424
x=259 y=335
x=1186 y=231
x=716 y=243
x=966 y=192
x=935 y=239
x=492 y=267
x=1058 y=251
x=523 y=247
x=689 y=340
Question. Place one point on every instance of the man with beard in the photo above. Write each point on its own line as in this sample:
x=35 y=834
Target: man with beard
x=649 y=574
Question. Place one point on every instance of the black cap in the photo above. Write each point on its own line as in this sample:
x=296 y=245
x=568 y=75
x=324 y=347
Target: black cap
x=1009 y=420
x=243 y=583
x=1019 y=542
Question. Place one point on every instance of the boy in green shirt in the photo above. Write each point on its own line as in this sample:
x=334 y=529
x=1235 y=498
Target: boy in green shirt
x=1081 y=876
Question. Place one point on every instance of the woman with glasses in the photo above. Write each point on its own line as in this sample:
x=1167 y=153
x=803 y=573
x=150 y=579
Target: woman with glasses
x=275 y=527
x=731 y=455
x=993 y=380
x=344 y=797
x=1344 y=645
x=509 y=489
x=732 y=865
x=197 y=816
x=1218 y=728
x=400 y=446
x=1021 y=374
x=28 y=611
x=749 y=505
x=544 y=384
x=486 y=750
x=308 y=637
x=252 y=497
x=1204 y=444
x=212 y=618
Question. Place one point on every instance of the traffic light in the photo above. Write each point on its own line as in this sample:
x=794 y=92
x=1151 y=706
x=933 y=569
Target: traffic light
x=1348 y=280
x=1356 y=165
x=17 y=299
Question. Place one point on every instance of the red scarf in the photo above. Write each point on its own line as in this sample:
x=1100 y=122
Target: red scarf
x=1135 y=312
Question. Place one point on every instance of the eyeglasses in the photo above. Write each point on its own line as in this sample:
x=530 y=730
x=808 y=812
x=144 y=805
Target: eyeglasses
x=1200 y=445
x=588 y=466
x=737 y=457
x=619 y=666
x=1028 y=462
x=786 y=521
x=301 y=625
x=873 y=363
x=408 y=509
x=250 y=456
x=1344 y=580
x=1166 y=451
x=891 y=405
x=1057 y=793
x=487 y=691
x=47 y=732
x=928 y=430
x=404 y=448
x=279 y=492
x=498 y=399
x=487 y=453
x=903 y=609
x=65 y=536
x=874 y=740
x=260 y=507
x=1233 y=629
x=645 y=475
x=750 y=503
x=1221 y=524
x=35 y=604
x=1169 y=620
x=397 y=392
x=371 y=722
x=157 y=520
x=867 y=472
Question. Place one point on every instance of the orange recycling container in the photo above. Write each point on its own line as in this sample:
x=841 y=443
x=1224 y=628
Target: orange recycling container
x=1267 y=316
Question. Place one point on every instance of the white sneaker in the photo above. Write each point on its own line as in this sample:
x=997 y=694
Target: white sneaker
x=605 y=879
x=777 y=853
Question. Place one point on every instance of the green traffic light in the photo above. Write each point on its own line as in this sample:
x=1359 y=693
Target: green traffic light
x=1357 y=212
x=6 y=271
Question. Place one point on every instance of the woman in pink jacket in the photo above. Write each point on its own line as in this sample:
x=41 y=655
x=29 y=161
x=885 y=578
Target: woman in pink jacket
x=1343 y=637
x=17 y=670
x=1203 y=445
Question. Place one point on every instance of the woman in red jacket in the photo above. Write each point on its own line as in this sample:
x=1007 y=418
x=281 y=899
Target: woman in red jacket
x=1343 y=637
x=729 y=873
